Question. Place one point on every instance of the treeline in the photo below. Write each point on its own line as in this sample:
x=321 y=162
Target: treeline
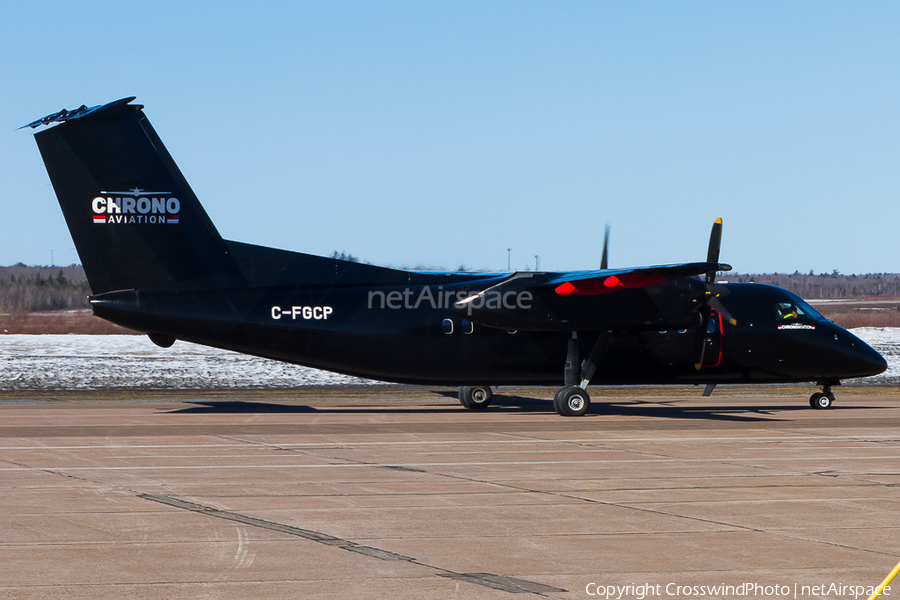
x=826 y=286
x=26 y=289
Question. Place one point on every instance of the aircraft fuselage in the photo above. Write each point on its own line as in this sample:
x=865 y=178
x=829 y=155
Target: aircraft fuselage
x=399 y=333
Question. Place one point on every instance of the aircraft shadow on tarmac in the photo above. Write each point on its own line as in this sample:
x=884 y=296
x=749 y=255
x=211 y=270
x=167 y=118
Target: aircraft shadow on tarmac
x=668 y=410
x=517 y=404
x=240 y=406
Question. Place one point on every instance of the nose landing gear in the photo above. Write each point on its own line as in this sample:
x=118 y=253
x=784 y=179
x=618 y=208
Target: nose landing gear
x=822 y=400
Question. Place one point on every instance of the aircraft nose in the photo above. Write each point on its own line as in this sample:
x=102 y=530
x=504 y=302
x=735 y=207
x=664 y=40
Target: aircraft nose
x=861 y=359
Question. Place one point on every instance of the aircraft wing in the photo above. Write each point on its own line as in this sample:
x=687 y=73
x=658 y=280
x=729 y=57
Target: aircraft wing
x=659 y=297
x=589 y=283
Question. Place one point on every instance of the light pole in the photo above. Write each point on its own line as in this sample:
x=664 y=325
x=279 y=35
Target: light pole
x=508 y=259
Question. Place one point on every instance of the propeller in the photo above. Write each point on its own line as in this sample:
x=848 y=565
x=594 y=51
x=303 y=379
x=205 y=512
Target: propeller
x=715 y=243
x=713 y=290
x=604 y=260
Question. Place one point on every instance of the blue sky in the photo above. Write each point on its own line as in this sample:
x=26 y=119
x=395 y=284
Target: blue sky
x=441 y=134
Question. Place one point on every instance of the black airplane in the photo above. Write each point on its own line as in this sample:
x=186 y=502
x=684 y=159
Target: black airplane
x=156 y=264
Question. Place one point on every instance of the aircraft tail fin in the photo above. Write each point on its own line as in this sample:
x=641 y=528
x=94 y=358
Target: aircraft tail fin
x=135 y=221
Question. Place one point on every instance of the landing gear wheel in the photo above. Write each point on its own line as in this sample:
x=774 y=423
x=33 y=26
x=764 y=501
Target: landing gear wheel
x=556 y=400
x=572 y=401
x=821 y=400
x=475 y=396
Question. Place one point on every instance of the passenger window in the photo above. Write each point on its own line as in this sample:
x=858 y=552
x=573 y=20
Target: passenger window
x=467 y=326
x=447 y=326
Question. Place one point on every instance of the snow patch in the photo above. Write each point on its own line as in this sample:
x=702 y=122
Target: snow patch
x=885 y=340
x=91 y=362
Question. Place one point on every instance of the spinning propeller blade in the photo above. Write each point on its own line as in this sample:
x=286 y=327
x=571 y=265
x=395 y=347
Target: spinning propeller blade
x=713 y=291
x=604 y=261
x=712 y=255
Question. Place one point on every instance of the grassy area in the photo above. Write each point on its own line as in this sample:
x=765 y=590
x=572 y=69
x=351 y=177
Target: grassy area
x=38 y=300
x=881 y=312
x=58 y=322
x=861 y=313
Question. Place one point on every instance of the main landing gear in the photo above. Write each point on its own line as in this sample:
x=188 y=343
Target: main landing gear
x=475 y=396
x=822 y=400
x=572 y=400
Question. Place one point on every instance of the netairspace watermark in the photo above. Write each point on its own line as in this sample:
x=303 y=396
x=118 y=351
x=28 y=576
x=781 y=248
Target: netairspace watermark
x=743 y=590
x=427 y=297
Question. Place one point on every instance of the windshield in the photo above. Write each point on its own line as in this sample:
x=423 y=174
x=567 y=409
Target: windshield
x=793 y=309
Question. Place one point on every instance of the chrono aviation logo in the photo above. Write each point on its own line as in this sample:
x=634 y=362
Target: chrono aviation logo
x=136 y=206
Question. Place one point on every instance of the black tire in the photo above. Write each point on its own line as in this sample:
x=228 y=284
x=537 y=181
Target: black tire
x=572 y=401
x=821 y=401
x=475 y=396
x=556 y=401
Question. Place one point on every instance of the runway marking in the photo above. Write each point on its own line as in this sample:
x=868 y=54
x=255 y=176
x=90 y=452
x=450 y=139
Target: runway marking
x=248 y=455
x=589 y=450
x=327 y=445
x=456 y=464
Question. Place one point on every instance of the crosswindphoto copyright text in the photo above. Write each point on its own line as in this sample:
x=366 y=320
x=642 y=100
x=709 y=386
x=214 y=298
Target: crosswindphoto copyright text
x=744 y=590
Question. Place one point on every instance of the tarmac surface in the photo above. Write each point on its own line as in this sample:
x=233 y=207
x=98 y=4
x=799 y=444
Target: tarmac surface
x=395 y=492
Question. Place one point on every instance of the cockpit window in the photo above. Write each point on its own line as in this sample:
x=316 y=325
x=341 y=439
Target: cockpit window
x=790 y=310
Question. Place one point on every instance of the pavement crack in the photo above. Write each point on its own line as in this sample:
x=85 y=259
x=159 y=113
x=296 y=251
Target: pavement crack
x=490 y=580
x=51 y=472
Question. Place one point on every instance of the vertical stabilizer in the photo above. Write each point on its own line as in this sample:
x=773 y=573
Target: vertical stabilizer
x=135 y=221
